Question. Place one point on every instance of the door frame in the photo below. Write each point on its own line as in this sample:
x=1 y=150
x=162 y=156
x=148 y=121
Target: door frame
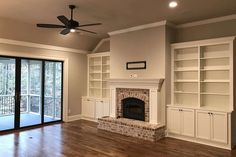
x=64 y=61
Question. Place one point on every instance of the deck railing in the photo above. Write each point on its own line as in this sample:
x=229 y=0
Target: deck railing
x=30 y=103
x=7 y=105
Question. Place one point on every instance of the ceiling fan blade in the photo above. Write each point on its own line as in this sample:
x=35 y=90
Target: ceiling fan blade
x=86 y=31
x=65 y=31
x=91 y=24
x=63 y=19
x=50 y=26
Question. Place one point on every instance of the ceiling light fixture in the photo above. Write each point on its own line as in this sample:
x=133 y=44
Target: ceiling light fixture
x=173 y=4
x=72 y=30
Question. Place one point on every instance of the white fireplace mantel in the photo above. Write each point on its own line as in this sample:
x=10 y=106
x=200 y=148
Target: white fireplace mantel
x=136 y=83
x=154 y=87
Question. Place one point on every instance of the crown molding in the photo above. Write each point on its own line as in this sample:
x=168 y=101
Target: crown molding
x=207 y=21
x=136 y=28
x=203 y=42
x=42 y=46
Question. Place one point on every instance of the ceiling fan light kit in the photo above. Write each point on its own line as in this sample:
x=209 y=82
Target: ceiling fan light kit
x=69 y=25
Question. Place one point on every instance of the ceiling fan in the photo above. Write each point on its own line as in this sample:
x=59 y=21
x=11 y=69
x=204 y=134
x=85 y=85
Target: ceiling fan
x=69 y=25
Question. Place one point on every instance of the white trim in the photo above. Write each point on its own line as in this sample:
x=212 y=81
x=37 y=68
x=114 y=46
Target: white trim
x=74 y=118
x=42 y=46
x=100 y=43
x=136 y=28
x=199 y=141
x=65 y=75
x=89 y=119
x=207 y=21
x=203 y=42
x=100 y=54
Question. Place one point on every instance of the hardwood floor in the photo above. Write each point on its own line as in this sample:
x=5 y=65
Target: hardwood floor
x=82 y=138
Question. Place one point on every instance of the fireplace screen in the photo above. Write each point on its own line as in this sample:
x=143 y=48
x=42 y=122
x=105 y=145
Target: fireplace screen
x=133 y=108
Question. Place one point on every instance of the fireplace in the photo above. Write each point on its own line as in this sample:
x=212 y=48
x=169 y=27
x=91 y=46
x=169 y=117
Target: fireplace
x=133 y=108
x=146 y=90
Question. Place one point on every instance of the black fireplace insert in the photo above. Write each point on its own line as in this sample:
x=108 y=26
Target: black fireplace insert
x=133 y=108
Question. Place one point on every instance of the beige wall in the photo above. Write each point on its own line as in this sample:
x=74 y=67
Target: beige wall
x=143 y=45
x=208 y=31
x=151 y=45
x=105 y=47
x=15 y=30
x=77 y=70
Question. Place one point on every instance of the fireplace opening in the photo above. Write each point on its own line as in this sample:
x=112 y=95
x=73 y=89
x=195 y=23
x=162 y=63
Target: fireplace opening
x=133 y=108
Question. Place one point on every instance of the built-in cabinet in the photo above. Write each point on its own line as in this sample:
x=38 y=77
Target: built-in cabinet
x=93 y=108
x=202 y=84
x=96 y=103
x=181 y=121
x=212 y=126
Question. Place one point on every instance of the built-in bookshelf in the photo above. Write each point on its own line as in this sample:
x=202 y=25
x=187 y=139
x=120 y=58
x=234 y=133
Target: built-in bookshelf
x=202 y=74
x=98 y=74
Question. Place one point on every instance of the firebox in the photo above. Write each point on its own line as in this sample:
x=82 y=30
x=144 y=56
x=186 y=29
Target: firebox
x=133 y=108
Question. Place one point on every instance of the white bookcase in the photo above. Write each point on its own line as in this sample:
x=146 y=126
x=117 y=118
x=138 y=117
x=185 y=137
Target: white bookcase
x=202 y=82
x=98 y=73
x=96 y=103
x=202 y=75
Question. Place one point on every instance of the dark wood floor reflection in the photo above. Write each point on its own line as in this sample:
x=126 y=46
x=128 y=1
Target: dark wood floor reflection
x=81 y=138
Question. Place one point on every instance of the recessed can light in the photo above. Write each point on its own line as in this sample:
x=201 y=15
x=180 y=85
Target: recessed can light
x=173 y=4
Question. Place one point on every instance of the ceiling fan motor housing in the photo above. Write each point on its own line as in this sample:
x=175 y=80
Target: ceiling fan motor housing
x=72 y=24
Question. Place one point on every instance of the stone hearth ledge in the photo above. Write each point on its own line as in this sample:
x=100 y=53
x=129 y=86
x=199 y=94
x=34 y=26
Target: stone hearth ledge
x=133 y=128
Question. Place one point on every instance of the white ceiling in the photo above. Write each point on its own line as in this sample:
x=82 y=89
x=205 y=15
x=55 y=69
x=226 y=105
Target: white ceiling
x=115 y=14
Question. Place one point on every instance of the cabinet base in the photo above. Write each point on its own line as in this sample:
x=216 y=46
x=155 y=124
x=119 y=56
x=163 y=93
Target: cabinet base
x=199 y=141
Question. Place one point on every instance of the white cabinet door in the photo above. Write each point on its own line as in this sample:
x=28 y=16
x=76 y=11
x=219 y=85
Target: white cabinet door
x=106 y=108
x=203 y=125
x=219 y=127
x=187 y=125
x=88 y=108
x=99 y=109
x=174 y=120
x=102 y=108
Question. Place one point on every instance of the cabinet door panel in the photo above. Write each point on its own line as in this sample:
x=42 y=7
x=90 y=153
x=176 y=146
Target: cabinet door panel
x=188 y=125
x=99 y=109
x=174 y=120
x=203 y=125
x=106 y=108
x=88 y=108
x=219 y=127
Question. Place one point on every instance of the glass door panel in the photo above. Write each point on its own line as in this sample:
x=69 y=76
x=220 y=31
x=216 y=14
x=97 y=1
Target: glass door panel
x=7 y=93
x=53 y=91
x=31 y=89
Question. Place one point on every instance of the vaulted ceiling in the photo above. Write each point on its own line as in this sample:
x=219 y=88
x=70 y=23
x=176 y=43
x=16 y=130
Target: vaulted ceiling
x=115 y=14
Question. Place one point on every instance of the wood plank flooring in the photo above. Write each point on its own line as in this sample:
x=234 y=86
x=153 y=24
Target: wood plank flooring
x=83 y=139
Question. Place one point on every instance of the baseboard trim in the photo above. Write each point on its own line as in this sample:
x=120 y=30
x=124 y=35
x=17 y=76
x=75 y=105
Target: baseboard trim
x=74 y=118
x=199 y=141
x=89 y=119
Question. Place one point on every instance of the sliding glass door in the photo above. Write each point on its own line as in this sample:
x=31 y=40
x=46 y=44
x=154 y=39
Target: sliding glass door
x=53 y=91
x=30 y=92
x=7 y=93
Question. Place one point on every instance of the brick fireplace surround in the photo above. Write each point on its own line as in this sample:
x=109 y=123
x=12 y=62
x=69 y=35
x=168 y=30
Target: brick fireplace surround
x=147 y=90
x=142 y=94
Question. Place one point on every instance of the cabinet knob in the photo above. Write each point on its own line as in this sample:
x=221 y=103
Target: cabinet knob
x=101 y=101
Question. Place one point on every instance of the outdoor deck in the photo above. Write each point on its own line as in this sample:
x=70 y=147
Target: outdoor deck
x=26 y=119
